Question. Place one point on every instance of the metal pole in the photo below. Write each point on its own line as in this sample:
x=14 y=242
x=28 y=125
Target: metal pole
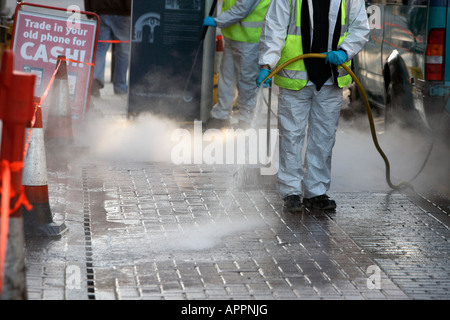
x=269 y=111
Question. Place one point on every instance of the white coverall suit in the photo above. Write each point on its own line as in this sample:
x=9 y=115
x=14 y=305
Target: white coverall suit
x=319 y=110
x=239 y=67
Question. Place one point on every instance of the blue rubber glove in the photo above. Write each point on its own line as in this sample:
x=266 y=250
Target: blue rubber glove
x=263 y=73
x=210 y=22
x=337 y=57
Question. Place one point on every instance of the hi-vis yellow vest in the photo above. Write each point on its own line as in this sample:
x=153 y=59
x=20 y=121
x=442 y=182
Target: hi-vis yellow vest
x=294 y=76
x=248 y=29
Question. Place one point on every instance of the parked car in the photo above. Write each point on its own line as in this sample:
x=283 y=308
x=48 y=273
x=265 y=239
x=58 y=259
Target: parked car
x=405 y=66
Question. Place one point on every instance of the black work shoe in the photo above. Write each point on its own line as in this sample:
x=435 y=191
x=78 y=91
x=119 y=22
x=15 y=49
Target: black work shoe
x=214 y=123
x=293 y=204
x=322 y=202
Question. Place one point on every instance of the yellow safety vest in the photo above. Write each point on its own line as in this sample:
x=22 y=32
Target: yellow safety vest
x=249 y=29
x=295 y=76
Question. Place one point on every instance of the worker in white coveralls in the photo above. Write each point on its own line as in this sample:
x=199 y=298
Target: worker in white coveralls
x=241 y=23
x=310 y=89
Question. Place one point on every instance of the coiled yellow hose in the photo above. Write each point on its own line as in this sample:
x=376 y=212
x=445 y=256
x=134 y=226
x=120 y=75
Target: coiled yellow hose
x=368 y=110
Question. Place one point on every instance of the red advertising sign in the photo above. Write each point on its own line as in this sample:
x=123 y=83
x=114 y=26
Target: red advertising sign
x=39 y=38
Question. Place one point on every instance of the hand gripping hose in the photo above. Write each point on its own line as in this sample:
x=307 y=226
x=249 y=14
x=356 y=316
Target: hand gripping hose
x=368 y=110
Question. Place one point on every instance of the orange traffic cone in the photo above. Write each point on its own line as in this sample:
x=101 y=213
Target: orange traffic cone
x=39 y=220
x=58 y=135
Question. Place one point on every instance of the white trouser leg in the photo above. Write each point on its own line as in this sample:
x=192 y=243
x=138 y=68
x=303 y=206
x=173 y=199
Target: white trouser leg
x=237 y=76
x=323 y=122
x=246 y=84
x=293 y=111
x=226 y=90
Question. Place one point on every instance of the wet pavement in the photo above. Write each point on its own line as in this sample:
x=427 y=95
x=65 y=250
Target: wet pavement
x=141 y=228
x=153 y=230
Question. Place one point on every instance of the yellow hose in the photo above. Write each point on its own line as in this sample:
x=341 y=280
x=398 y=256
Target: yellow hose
x=366 y=104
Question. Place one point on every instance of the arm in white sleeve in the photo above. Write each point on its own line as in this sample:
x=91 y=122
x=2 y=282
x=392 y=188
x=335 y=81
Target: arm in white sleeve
x=358 y=29
x=240 y=10
x=274 y=32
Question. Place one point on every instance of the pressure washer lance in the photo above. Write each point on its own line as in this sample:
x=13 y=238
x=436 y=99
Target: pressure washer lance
x=269 y=110
x=202 y=37
x=398 y=186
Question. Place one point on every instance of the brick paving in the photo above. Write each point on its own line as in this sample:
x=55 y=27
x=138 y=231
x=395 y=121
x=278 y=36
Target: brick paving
x=158 y=231
x=161 y=232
